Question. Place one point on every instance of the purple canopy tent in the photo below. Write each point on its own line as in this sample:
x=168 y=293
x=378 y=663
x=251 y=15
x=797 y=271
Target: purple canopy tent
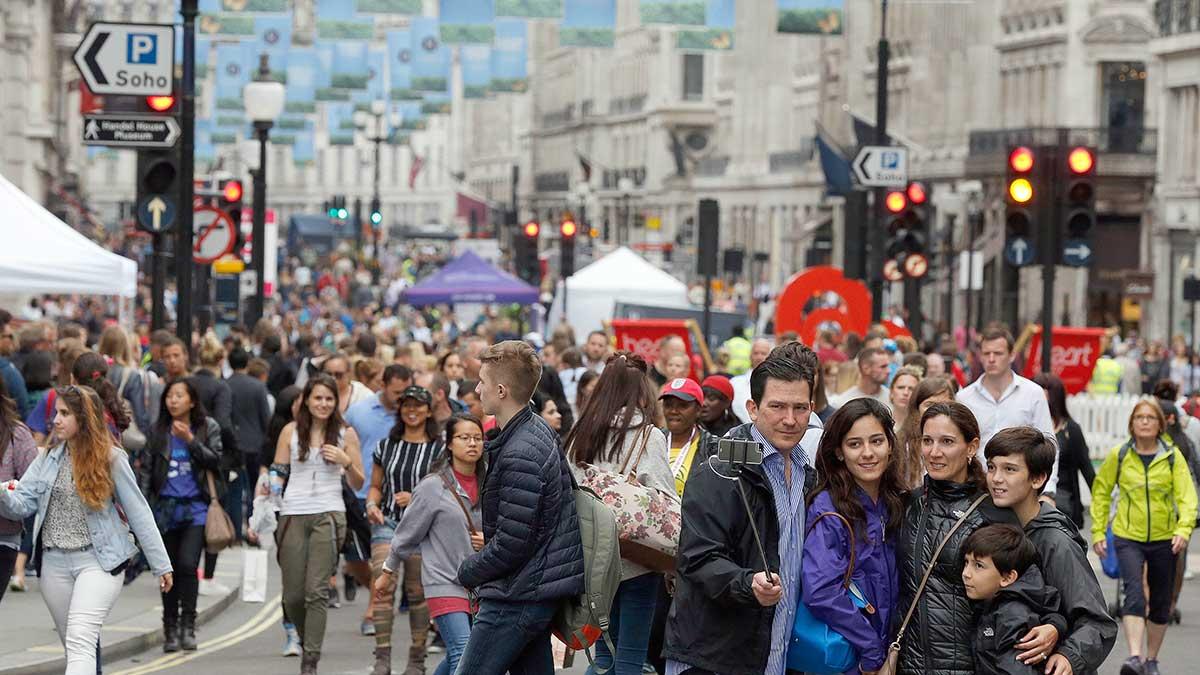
x=469 y=278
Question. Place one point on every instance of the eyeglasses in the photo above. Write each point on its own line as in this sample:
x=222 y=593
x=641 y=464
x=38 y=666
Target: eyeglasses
x=468 y=439
x=1145 y=418
x=337 y=374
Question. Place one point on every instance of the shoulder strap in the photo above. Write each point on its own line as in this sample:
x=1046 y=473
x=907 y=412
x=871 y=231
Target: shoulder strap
x=454 y=492
x=628 y=467
x=853 y=546
x=933 y=563
x=126 y=373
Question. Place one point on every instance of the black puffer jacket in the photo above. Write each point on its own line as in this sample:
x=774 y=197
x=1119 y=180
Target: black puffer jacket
x=1007 y=617
x=1065 y=566
x=938 y=639
x=533 y=549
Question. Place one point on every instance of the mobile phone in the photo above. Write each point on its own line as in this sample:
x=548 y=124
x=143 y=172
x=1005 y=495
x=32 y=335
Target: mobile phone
x=739 y=452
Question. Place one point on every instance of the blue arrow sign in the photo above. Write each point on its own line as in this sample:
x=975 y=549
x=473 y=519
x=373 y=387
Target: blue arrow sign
x=1018 y=251
x=156 y=213
x=1077 y=253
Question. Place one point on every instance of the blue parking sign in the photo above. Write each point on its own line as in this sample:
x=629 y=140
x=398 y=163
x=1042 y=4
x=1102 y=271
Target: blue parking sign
x=141 y=48
x=890 y=160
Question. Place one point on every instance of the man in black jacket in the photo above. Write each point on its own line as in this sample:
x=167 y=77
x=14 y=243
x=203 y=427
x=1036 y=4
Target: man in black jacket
x=532 y=555
x=732 y=616
x=251 y=414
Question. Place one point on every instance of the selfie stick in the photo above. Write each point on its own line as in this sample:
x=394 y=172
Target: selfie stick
x=737 y=464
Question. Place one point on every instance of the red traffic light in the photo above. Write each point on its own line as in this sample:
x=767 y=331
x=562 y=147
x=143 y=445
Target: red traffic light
x=569 y=228
x=1021 y=159
x=532 y=229
x=895 y=202
x=1081 y=160
x=232 y=191
x=916 y=193
x=160 y=103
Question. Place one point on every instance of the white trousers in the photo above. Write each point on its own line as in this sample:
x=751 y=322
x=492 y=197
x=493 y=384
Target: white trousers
x=79 y=595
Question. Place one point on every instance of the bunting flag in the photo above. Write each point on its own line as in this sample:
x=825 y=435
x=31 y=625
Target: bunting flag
x=350 y=69
x=226 y=25
x=339 y=123
x=467 y=21
x=811 y=17
x=435 y=104
x=377 y=84
x=400 y=54
x=300 y=95
x=335 y=10
x=203 y=47
x=510 y=56
x=476 y=70
x=588 y=23
x=530 y=9
x=835 y=165
x=273 y=37
x=673 y=12
x=411 y=117
x=304 y=149
x=430 y=58
x=585 y=166
x=231 y=75
x=389 y=6
x=717 y=32
x=417 y=164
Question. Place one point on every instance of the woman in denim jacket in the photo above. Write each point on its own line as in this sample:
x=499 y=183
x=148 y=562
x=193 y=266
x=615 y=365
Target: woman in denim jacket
x=81 y=543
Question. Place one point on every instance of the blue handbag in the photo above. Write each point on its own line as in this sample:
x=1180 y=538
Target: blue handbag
x=816 y=648
x=1109 y=563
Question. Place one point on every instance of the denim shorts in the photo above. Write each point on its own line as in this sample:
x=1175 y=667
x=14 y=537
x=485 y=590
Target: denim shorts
x=382 y=534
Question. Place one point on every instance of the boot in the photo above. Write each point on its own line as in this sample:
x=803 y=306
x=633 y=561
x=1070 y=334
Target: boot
x=383 y=661
x=308 y=663
x=170 y=636
x=187 y=633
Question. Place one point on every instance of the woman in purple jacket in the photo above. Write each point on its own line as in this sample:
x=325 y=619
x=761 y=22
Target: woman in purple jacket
x=857 y=479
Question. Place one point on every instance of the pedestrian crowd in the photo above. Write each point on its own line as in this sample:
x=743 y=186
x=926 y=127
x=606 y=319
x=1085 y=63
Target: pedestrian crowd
x=853 y=506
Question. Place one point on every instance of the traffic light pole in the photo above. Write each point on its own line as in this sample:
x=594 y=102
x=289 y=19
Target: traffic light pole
x=1051 y=223
x=881 y=111
x=187 y=144
x=158 y=283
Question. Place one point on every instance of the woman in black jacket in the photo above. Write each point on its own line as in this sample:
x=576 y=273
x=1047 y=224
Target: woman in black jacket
x=183 y=451
x=1073 y=458
x=937 y=641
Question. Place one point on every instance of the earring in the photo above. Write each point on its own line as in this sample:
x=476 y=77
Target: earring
x=841 y=458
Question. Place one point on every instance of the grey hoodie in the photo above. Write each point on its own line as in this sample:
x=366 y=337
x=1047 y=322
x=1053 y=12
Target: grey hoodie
x=435 y=527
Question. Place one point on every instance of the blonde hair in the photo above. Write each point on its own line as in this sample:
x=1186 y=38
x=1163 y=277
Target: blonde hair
x=212 y=352
x=515 y=364
x=1155 y=408
x=114 y=343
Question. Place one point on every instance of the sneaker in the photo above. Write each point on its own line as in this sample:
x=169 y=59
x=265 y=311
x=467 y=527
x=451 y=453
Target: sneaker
x=1133 y=666
x=211 y=587
x=16 y=585
x=367 y=628
x=1151 y=667
x=334 y=601
x=292 y=646
x=649 y=669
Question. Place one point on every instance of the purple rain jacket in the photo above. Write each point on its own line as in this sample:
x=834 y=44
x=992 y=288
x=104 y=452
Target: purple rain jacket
x=826 y=556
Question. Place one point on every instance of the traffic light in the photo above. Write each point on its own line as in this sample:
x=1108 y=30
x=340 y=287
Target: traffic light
x=157 y=172
x=525 y=245
x=1079 y=203
x=906 y=223
x=160 y=104
x=566 y=244
x=376 y=212
x=337 y=208
x=1021 y=199
x=230 y=201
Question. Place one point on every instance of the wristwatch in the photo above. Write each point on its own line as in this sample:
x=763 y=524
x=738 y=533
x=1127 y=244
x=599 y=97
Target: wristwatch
x=370 y=504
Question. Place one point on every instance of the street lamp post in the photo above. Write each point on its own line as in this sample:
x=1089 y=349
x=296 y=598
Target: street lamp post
x=378 y=127
x=264 y=102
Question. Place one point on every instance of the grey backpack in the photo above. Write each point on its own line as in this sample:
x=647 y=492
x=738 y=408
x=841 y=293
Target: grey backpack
x=584 y=619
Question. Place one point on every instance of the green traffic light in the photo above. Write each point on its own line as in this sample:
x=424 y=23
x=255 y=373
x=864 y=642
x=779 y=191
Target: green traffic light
x=376 y=217
x=343 y=214
x=333 y=213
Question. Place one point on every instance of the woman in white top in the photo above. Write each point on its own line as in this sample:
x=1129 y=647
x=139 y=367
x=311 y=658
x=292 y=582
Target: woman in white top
x=314 y=452
x=618 y=421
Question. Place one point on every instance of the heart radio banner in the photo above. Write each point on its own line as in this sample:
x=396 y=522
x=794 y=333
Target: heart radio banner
x=1073 y=355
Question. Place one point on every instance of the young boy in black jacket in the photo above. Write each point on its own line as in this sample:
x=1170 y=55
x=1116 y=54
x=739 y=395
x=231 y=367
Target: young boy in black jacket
x=1019 y=462
x=999 y=572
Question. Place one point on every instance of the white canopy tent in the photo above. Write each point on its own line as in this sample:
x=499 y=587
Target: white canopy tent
x=592 y=292
x=42 y=254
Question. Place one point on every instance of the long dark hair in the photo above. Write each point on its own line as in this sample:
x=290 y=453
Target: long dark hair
x=623 y=391
x=447 y=459
x=281 y=417
x=396 y=434
x=964 y=420
x=10 y=419
x=833 y=475
x=304 y=420
x=1056 y=397
x=196 y=418
x=91 y=370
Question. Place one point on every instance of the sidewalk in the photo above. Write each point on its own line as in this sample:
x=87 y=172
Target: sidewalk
x=31 y=646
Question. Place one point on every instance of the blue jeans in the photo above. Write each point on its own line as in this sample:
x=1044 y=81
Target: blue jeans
x=455 y=630
x=629 y=626
x=512 y=637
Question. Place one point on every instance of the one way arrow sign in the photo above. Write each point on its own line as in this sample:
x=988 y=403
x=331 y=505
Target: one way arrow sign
x=882 y=166
x=135 y=59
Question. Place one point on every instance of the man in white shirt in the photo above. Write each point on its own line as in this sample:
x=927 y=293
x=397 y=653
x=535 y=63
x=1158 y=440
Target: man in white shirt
x=759 y=349
x=1001 y=399
x=873 y=367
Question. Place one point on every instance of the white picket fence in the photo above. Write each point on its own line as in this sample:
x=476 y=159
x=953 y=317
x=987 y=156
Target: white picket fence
x=1104 y=419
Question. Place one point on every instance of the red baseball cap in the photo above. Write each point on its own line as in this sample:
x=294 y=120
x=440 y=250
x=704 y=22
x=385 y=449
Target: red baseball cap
x=721 y=384
x=684 y=388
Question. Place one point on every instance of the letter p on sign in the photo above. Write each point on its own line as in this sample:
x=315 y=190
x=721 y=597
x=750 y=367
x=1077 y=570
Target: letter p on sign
x=141 y=48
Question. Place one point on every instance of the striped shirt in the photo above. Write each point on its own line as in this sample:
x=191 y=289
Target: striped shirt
x=404 y=464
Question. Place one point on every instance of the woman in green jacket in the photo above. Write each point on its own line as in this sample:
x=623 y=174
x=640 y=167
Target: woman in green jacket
x=1155 y=513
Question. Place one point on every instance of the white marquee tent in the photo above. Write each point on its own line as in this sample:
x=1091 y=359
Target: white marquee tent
x=623 y=275
x=42 y=254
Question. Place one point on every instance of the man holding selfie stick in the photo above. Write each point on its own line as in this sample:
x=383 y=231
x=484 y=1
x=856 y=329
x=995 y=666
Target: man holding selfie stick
x=734 y=609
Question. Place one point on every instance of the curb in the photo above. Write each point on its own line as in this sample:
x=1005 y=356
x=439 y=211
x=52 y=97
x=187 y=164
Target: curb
x=127 y=646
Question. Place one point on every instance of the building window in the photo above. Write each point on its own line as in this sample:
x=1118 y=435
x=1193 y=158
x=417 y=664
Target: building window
x=1124 y=104
x=693 y=77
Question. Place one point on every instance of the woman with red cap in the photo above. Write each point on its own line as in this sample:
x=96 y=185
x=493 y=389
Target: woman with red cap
x=716 y=412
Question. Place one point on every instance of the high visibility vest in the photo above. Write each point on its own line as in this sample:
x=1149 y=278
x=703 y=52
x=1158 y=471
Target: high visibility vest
x=1106 y=376
x=739 y=354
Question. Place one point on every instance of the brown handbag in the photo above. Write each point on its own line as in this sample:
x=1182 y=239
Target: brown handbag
x=218 y=526
x=893 y=657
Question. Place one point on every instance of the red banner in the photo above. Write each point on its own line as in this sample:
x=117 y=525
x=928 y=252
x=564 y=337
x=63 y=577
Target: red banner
x=641 y=336
x=1073 y=355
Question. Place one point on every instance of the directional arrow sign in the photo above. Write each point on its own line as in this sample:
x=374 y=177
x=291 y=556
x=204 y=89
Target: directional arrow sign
x=130 y=131
x=1077 y=253
x=881 y=166
x=1018 y=252
x=156 y=213
x=127 y=58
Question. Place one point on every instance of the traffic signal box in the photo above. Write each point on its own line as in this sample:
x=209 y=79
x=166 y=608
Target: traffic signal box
x=568 y=228
x=525 y=249
x=158 y=169
x=1022 y=193
x=1050 y=196
x=1079 y=204
x=907 y=222
x=230 y=201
